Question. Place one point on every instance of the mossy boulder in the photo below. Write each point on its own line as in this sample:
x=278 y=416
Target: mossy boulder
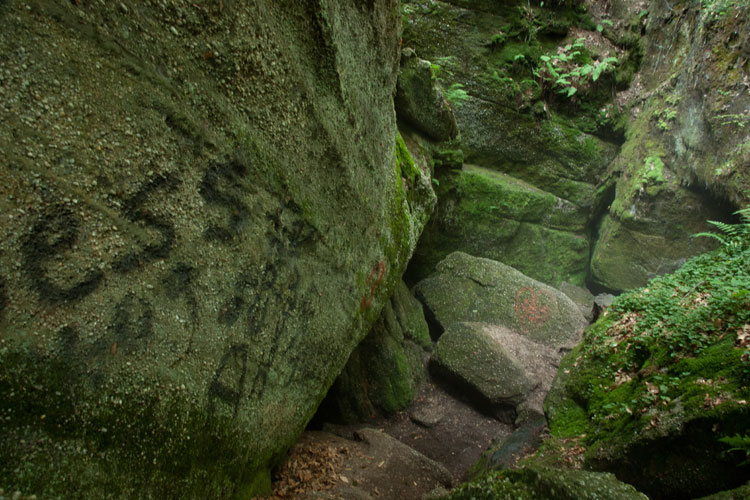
x=383 y=372
x=504 y=371
x=535 y=483
x=657 y=392
x=474 y=289
x=204 y=210
x=489 y=214
x=582 y=297
x=474 y=357
x=419 y=99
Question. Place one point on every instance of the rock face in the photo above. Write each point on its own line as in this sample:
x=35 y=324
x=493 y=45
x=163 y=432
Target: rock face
x=203 y=213
x=685 y=155
x=532 y=185
x=686 y=151
x=383 y=372
x=419 y=100
x=494 y=215
x=501 y=333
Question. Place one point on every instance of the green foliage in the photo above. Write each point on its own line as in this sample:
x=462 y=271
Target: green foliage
x=605 y=22
x=456 y=95
x=719 y=8
x=683 y=340
x=735 y=237
x=569 y=69
x=738 y=443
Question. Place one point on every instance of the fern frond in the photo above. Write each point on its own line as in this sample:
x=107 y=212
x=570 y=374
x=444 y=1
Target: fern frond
x=728 y=229
x=721 y=239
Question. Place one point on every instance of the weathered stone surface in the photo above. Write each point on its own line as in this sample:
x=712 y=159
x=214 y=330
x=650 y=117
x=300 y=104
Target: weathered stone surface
x=202 y=215
x=582 y=297
x=419 y=99
x=489 y=214
x=474 y=289
x=686 y=152
x=383 y=372
x=469 y=353
x=536 y=482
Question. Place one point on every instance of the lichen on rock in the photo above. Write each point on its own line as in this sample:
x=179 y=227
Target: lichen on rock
x=202 y=216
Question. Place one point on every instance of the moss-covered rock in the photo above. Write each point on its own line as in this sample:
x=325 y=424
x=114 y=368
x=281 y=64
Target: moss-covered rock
x=489 y=214
x=582 y=297
x=685 y=159
x=658 y=390
x=474 y=289
x=383 y=372
x=537 y=483
x=203 y=213
x=419 y=99
x=625 y=258
x=473 y=356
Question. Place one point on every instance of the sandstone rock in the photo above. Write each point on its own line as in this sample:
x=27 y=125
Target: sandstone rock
x=383 y=372
x=474 y=289
x=468 y=353
x=489 y=214
x=419 y=99
x=197 y=229
x=582 y=297
x=685 y=160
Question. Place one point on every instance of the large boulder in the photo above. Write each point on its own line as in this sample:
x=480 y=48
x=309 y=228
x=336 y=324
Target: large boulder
x=504 y=369
x=475 y=289
x=203 y=213
x=501 y=334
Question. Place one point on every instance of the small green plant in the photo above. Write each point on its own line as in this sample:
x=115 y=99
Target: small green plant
x=605 y=22
x=733 y=237
x=565 y=72
x=734 y=119
x=456 y=95
x=740 y=444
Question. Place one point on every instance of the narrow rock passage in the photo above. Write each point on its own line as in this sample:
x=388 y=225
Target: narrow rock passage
x=437 y=440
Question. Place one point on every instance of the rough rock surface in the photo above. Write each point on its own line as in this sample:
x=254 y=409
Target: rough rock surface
x=202 y=215
x=686 y=158
x=419 y=99
x=548 y=153
x=383 y=372
x=501 y=334
x=474 y=289
x=490 y=214
x=502 y=367
x=531 y=483
x=582 y=297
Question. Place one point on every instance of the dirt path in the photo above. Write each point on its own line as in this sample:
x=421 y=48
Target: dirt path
x=437 y=440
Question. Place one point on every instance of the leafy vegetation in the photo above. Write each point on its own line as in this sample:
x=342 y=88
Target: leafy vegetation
x=456 y=95
x=569 y=69
x=685 y=335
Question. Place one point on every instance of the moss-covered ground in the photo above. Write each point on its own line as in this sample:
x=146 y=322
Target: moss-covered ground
x=664 y=374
